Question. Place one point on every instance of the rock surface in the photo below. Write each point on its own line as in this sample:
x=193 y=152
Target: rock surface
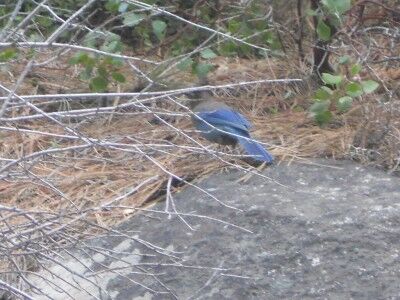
x=328 y=230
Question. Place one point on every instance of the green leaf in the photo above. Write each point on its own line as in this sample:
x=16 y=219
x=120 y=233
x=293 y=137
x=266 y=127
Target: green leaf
x=353 y=89
x=159 y=28
x=311 y=12
x=8 y=54
x=83 y=59
x=331 y=79
x=245 y=29
x=112 y=5
x=90 y=40
x=45 y=21
x=320 y=106
x=344 y=103
x=118 y=77
x=202 y=70
x=328 y=90
x=114 y=61
x=271 y=40
x=112 y=47
x=337 y=6
x=233 y=26
x=369 y=86
x=102 y=71
x=123 y=7
x=246 y=50
x=86 y=74
x=131 y=19
x=88 y=61
x=208 y=54
x=185 y=64
x=323 y=31
x=109 y=36
x=355 y=69
x=77 y=58
x=35 y=37
x=344 y=60
x=228 y=48
x=98 y=84
x=322 y=94
x=320 y=112
x=323 y=117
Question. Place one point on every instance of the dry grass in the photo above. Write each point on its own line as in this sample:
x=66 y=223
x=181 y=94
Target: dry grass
x=75 y=194
x=94 y=175
x=142 y=154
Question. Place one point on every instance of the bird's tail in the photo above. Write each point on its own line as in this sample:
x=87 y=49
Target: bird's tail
x=256 y=150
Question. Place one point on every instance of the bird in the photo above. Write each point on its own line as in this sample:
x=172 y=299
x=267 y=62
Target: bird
x=219 y=123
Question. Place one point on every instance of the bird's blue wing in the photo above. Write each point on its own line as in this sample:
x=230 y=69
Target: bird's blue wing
x=232 y=122
x=256 y=150
x=225 y=117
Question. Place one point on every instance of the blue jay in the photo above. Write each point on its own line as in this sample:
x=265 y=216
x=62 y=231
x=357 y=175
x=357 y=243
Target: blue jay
x=228 y=127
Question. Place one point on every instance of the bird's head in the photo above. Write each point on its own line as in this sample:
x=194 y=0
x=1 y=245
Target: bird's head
x=198 y=95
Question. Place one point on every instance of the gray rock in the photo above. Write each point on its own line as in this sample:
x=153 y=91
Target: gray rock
x=314 y=232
